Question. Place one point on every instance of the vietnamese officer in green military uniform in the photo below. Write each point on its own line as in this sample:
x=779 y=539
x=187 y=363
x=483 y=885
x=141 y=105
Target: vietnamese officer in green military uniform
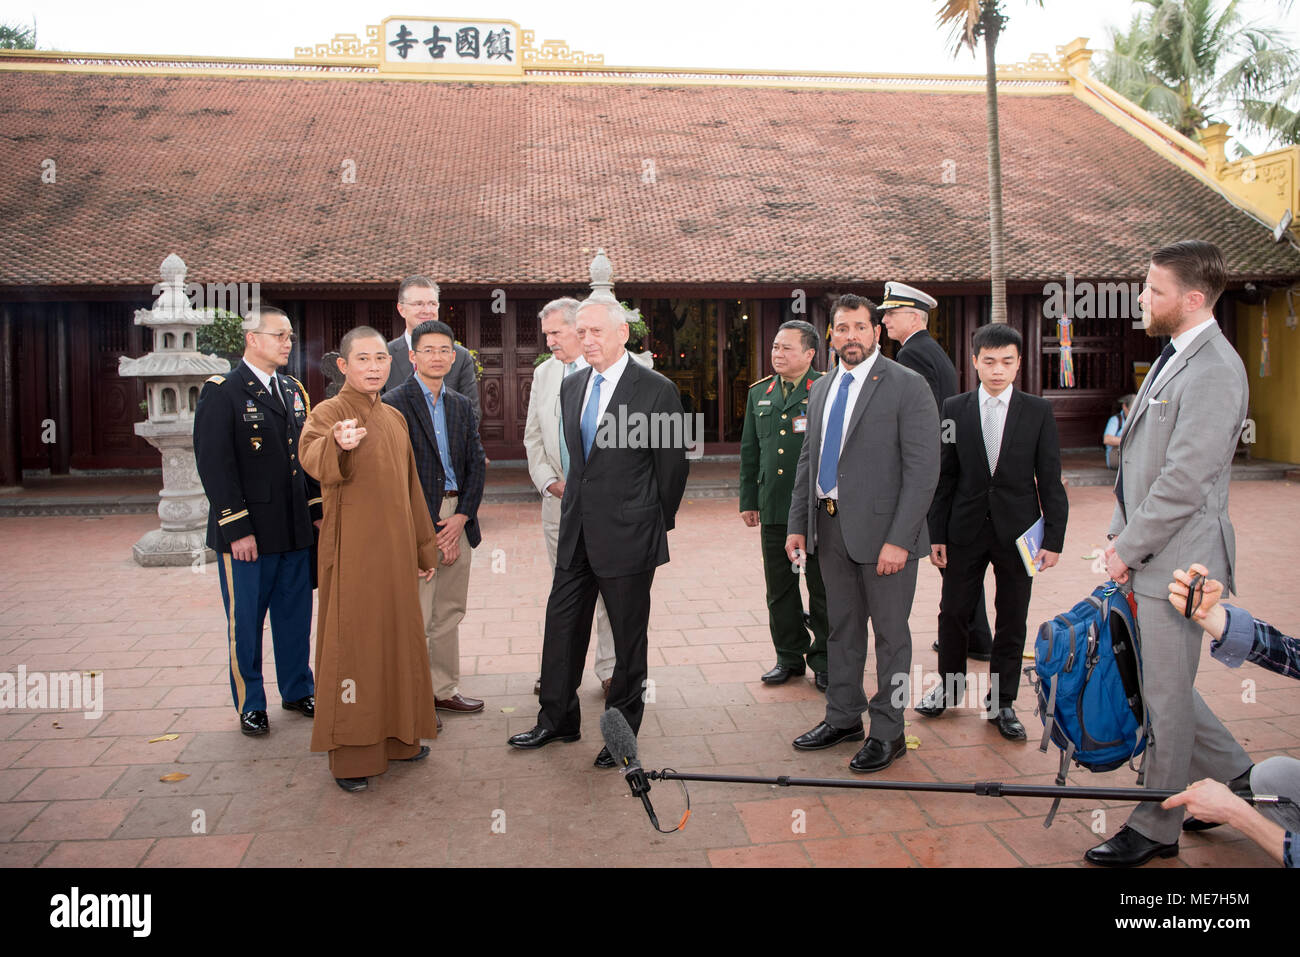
x=776 y=420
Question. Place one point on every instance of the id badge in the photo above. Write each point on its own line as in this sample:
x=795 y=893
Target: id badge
x=800 y=424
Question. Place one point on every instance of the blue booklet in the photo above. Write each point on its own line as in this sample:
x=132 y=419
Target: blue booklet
x=1028 y=545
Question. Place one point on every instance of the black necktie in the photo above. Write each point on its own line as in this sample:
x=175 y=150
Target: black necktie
x=1148 y=384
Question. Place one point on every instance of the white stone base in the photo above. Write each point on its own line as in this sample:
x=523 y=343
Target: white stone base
x=160 y=548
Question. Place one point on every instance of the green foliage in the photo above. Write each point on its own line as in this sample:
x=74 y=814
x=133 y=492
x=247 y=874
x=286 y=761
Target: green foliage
x=1196 y=62
x=15 y=36
x=224 y=337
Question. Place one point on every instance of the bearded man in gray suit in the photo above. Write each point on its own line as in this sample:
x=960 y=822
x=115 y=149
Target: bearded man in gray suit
x=867 y=472
x=1175 y=463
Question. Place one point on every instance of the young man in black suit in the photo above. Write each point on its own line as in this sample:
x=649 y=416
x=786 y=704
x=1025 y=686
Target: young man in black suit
x=905 y=313
x=449 y=458
x=620 y=501
x=1000 y=470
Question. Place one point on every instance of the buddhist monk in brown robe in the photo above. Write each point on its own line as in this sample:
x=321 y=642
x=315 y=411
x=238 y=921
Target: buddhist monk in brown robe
x=374 y=697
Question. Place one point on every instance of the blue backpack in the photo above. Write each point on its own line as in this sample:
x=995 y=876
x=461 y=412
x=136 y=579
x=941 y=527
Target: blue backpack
x=1087 y=673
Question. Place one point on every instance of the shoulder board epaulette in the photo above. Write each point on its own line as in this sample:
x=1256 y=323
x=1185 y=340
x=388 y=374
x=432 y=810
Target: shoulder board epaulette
x=216 y=379
x=306 y=399
x=762 y=380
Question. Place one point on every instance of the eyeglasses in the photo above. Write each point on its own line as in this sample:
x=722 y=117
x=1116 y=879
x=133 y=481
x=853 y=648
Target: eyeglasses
x=431 y=351
x=282 y=336
x=423 y=304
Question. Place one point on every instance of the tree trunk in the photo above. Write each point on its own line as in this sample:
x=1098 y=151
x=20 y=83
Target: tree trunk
x=997 y=271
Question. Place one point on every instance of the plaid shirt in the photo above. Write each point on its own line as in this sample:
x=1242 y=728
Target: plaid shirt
x=1249 y=639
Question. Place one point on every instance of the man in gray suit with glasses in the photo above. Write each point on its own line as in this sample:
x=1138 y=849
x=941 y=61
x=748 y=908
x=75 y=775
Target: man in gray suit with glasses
x=867 y=472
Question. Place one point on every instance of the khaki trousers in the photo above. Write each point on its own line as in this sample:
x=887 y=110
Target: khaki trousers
x=443 y=603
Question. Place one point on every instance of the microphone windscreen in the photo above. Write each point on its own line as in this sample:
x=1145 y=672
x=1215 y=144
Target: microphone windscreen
x=619 y=738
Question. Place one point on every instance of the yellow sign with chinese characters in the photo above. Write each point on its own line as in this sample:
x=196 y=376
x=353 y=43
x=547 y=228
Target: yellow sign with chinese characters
x=448 y=45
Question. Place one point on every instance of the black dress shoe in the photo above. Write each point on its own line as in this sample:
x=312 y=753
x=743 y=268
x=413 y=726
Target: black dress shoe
x=973 y=655
x=352 y=784
x=780 y=675
x=1128 y=848
x=254 y=723
x=305 y=706
x=418 y=755
x=1009 y=725
x=539 y=737
x=823 y=736
x=822 y=680
x=605 y=759
x=876 y=755
x=933 y=704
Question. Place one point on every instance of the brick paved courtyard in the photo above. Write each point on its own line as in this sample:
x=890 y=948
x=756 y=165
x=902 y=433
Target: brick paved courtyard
x=78 y=792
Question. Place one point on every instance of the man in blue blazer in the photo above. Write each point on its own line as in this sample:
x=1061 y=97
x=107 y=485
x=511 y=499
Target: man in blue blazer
x=449 y=458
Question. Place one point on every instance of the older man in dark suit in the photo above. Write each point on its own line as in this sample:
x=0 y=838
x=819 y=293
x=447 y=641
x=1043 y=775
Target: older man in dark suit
x=417 y=302
x=905 y=313
x=619 y=503
x=867 y=472
x=449 y=458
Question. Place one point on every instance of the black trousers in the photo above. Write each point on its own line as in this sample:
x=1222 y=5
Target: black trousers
x=963 y=583
x=981 y=639
x=569 y=613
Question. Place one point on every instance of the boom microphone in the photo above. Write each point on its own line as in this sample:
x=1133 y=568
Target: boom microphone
x=620 y=740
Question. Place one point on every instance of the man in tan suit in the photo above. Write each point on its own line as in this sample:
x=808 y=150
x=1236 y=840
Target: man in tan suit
x=547 y=454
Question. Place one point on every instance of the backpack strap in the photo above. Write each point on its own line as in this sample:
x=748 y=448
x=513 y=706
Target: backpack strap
x=1066 y=755
x=1049 y=715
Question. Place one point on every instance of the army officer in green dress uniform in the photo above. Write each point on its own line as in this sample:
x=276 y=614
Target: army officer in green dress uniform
x=776 y=420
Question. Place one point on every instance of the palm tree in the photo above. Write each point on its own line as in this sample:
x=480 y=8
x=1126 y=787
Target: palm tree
x=969 y=21
x=1196 y=62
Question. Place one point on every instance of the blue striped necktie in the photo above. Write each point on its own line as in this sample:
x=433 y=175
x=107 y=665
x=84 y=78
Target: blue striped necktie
x=589 y=416
x=826 y=474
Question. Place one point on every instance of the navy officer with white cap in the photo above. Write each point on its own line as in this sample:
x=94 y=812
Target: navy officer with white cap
x=905 y=312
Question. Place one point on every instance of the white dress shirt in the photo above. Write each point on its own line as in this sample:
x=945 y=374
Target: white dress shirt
x=607 y=387
x=265 y=379
x=1180 y=342
x=860 y=373
x=1003 y=400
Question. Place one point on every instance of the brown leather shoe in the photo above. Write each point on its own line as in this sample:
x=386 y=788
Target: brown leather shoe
x=604 y=686
x=458 y=704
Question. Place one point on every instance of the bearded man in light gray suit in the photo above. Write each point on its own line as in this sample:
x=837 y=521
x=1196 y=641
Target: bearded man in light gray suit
x=548 y=454
x=867 y=472
x=1175 y=463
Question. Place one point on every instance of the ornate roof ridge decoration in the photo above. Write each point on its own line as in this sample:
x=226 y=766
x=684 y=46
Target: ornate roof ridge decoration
x=1037 y=65
x=344 y=46
x=554 y=53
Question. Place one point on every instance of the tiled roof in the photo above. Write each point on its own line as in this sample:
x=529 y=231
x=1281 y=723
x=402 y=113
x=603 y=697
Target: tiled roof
x=496 y=183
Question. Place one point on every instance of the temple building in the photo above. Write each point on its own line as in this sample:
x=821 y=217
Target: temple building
x=728 y=202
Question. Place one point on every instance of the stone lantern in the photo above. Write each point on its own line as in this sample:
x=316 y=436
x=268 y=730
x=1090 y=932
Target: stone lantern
x=602 y=290
x=173 y=373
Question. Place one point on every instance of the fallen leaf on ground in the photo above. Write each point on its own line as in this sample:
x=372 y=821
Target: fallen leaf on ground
x=913 y=742
x=164 y=737
x=174 y=776
x=507 y=710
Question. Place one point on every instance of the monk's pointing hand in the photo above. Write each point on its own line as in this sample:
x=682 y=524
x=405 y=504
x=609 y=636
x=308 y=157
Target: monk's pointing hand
x=427 y=573
x=348 y=434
